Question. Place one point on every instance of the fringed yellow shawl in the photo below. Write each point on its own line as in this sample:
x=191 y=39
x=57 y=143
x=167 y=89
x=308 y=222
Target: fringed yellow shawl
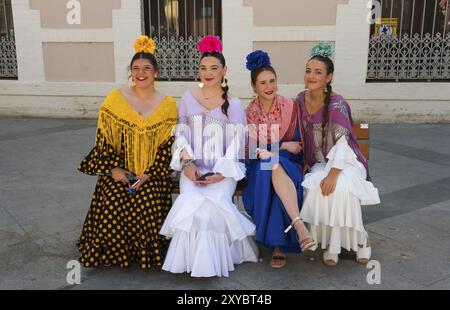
x=136 y=136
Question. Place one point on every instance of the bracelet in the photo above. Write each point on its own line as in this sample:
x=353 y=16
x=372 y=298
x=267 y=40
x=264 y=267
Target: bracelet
x=187 y=162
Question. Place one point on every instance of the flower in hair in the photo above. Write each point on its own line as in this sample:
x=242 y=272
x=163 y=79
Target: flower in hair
x=257 y=59
x=209 y=44
x=324 y=49
x=144 y=44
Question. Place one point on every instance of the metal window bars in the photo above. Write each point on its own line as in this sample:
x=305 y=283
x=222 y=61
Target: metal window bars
x=411 y=42
x=177 y=26
x=8 y=58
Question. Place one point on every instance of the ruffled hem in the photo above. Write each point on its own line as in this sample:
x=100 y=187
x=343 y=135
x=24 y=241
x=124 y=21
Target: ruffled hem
x=207 y=253
x=335 y=238
x=187 y=214
x=352 y=177
x=341 y=209
x=146 y=254
x=341 y=154
x=335 y=221
x=230 y=168
x=178 y=146
x=209 y=234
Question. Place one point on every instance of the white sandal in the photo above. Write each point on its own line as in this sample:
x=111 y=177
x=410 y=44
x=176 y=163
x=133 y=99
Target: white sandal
x=303 y=244
x=327 y=257
x=363 y=254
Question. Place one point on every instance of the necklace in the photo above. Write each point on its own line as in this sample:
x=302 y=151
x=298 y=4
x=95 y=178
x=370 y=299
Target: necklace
x=210 y=97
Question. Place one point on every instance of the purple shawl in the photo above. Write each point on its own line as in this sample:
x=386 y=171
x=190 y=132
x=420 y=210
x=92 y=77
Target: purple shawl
x=340 y=123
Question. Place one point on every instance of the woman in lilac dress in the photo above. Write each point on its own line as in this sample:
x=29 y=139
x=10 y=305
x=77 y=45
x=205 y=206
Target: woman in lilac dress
x=208 y=233
x=338 y=182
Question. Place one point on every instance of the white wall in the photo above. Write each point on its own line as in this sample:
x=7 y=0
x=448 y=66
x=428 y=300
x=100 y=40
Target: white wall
x=373 y=102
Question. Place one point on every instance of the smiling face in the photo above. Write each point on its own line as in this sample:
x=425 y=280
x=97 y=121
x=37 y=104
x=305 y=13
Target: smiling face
x=316 y=75
x=211 y=71
x=143 y=73
x=266 y=86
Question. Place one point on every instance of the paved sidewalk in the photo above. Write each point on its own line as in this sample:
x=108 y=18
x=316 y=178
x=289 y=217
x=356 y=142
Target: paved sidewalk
x=44 y=201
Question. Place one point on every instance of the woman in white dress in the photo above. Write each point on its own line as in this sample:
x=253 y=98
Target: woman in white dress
x=208 y=233
x=338 y=182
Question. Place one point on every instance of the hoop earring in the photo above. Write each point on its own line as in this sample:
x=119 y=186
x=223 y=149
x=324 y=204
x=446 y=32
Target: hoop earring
x=224 y=82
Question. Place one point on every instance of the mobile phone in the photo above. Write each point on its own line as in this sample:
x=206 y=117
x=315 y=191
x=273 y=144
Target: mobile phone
x=135 y=183
x=203 y=177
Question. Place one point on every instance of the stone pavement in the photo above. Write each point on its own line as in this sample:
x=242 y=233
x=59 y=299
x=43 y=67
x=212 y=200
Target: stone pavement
x=43 y=202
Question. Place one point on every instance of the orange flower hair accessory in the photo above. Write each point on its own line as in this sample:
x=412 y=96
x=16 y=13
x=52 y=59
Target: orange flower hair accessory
x=144 y=44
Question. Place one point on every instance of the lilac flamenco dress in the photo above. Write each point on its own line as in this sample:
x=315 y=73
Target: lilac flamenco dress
x=209 y=235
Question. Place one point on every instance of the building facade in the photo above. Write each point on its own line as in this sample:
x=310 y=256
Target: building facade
x=61 y=57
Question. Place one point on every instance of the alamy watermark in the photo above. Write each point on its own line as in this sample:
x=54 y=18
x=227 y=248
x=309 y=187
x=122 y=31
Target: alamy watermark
x=73 y=17
x=374 y=275
x=73 y=277
x=229 y=141
x=374 y=15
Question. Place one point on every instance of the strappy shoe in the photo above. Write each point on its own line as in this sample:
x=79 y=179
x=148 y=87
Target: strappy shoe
x=307 y=242
x=330 y=259
x=278 y=257
x=363 y=254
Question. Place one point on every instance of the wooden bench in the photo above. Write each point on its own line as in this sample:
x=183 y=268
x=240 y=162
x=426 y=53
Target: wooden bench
x=361 y=131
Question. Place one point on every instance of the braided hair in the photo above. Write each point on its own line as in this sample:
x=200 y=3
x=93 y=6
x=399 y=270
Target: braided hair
x=330 y=69
x=225 y=89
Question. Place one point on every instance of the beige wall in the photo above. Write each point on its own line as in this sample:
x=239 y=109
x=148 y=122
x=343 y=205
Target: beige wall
x=288 y=58
x=79 y=62
x=278 y=13
x=94 y=13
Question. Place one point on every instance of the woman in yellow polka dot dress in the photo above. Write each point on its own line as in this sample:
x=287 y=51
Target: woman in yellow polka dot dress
x=131 y=157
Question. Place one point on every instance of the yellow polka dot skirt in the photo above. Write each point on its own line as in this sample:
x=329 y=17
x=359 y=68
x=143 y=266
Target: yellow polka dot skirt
x=121 y=228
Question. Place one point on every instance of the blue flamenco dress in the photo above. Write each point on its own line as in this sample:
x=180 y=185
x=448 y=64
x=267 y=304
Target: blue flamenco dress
x=264 y=205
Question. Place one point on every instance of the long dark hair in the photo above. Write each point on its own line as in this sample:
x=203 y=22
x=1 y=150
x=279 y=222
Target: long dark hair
x=330 y=69
x=150 y=57
x=225 y=89
x=255 y=73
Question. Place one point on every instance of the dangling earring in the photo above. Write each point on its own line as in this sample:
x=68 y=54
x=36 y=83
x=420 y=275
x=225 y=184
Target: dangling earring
x=224 y=82
x=325 y=90
x=133 y=83
x=201 y=84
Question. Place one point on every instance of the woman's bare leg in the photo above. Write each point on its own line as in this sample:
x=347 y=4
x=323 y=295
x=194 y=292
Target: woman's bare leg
x=285 y=189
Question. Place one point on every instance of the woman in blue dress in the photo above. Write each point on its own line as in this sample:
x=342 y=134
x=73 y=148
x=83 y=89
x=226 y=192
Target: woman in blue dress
x=273 y=195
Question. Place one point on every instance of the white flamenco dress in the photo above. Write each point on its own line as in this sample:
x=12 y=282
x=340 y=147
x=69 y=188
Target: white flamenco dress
x=336 y=221
x=208 y=233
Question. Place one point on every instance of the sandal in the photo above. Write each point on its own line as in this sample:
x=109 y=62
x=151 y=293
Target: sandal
x=278 y=257
x=363 y=254
x=330 y=259
x=307 y=242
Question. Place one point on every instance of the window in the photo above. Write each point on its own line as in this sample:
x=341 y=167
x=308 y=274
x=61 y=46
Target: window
x=177 y=26
x=411 y=42
x=8 y=60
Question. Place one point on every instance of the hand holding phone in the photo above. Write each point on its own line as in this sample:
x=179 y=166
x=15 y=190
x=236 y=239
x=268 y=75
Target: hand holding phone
x=133 y=182
x=203 y=177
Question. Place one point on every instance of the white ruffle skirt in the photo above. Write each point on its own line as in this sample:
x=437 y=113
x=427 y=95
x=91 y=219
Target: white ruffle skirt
x=336 y=221
x=209 y=235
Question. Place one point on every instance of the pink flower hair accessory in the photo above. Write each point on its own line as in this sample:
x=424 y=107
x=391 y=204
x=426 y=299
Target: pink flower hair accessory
x=209 y=44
